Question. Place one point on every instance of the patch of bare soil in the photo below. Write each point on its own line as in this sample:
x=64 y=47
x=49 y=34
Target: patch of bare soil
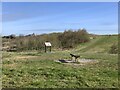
x=87 y=61
x=24 y=57
x=80 y=62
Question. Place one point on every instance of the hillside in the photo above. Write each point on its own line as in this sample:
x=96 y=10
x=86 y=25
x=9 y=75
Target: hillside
x=101 y=44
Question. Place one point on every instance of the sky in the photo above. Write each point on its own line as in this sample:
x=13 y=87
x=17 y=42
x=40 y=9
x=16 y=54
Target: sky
x=47 y=17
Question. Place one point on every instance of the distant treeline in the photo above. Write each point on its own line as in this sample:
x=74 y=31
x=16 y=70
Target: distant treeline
x=67 y=39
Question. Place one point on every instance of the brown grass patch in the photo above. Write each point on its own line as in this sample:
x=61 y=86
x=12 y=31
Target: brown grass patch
x=13 y=65
x=24 y=57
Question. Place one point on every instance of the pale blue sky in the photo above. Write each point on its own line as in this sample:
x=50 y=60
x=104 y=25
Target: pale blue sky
x=28 y=17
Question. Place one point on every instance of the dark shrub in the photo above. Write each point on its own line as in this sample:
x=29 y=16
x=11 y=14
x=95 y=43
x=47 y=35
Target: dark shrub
x=114 y=49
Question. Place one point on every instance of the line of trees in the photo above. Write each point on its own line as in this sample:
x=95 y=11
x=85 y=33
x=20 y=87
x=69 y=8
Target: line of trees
x=67 y=39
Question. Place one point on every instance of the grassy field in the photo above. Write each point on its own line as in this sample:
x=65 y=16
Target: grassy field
x=33 y=69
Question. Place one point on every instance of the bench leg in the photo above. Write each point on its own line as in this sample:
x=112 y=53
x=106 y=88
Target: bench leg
x=71 y=57
x=76 y=59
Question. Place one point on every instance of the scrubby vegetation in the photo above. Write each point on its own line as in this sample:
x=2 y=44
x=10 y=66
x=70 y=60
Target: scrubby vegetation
x=114 y=49
x=67 y=39
x=70 y=39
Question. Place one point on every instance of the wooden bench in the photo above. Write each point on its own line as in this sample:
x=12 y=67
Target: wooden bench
x=75 y=56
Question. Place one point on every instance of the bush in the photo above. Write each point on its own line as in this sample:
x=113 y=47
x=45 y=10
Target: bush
x=114 y=49
x=70 y=39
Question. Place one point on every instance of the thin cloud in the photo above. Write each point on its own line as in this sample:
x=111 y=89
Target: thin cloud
x=107 y=23
x=14 y=16
x=43 y=30
x=72 y=23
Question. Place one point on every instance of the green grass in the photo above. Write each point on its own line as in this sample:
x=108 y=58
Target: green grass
x=34 y=69
x=100 y=44
x=43 y=72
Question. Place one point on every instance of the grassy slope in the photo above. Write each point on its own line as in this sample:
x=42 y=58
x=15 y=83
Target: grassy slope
x=99 y=44
x=42 y=71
